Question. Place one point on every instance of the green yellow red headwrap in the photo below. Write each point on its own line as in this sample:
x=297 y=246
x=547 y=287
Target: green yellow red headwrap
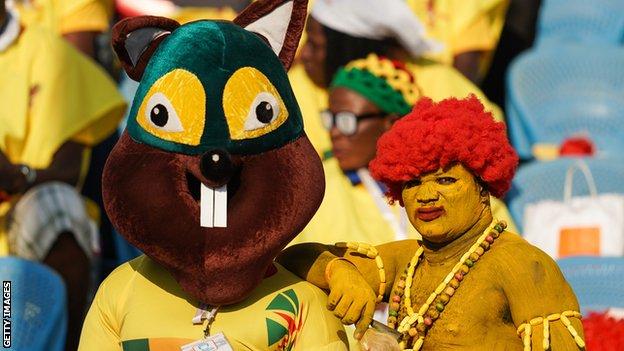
x=386 y=83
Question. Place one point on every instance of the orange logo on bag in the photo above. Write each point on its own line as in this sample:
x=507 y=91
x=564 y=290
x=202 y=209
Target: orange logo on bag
x=579 y=241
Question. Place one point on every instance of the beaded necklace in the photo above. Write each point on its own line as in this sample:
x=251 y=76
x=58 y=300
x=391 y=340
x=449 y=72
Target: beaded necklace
x=415 y=324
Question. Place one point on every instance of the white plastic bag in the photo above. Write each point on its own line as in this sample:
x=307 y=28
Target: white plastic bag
x=581 y=225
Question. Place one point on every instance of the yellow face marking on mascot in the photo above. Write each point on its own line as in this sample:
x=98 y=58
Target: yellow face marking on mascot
x=174 y=108
x=249 y=95
x=444 y=204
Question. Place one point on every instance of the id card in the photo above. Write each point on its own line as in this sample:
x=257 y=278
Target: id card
x=216 y=342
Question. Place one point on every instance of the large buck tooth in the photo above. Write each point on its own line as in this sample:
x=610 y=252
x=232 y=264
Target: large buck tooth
x=206 y=207
x=213 y=207
x=220 y=207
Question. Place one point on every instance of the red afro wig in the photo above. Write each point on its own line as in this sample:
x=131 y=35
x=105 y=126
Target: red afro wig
x=436 y=135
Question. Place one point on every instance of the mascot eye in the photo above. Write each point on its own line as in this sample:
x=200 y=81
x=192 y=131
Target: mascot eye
x=263 y=111
x=174 y=108
x=252 y=105
x=161 y=114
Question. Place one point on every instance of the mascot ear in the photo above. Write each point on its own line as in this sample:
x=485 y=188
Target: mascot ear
x=136 y=38
x=279 y=22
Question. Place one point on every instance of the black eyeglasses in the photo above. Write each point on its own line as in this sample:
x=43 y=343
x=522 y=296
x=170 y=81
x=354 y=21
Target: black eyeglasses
x=346 y=122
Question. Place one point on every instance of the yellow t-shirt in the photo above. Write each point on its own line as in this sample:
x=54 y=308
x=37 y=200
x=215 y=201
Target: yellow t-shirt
x=55 y=94
x=67 y=16
x=439 y=82
x=140 y=307
x=312 y=100
x=435 y=81
x=189 y=14
x=462 y=25
x=349 y=213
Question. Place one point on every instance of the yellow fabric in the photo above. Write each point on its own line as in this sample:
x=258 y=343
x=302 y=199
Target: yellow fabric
x=67 y=16
x=189 y=14
x=312 y=100
x=439 y=82
x=435 y=81
x=349 y=213
x=56 y=94
x=141 y=300
x=462 y=25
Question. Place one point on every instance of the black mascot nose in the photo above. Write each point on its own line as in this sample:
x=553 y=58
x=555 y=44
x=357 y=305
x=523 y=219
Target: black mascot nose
x=217 y=166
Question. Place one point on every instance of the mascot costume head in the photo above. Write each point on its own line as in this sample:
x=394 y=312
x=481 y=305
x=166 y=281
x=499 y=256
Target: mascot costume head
x=214 y=174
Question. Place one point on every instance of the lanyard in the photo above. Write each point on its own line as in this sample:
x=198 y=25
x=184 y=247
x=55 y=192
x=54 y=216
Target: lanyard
x=203 y=314
x=398 y=225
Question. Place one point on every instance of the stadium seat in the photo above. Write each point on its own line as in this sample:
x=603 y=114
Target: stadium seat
x=597 y=281
x=538 y=181
x=558 y=92
x=593 y=22
x=38 y=305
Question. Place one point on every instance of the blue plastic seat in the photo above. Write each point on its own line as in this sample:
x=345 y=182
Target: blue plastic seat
x=38 y=305
x=124 y=251
x=596 y=281
x=591 y=22
x=558 y=92
x=538 y=181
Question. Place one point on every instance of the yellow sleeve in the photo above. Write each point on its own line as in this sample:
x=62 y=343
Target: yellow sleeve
x=322 y=331
x=75 y=100
x=477 y=24
x=85 y=16
x=101 y=328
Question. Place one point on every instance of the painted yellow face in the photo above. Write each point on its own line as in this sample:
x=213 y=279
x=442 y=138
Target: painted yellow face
x=174 y=108
x=444 y=204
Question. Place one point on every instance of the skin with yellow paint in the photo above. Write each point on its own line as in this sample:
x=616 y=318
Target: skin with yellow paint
x=442 y=205
x=510 y=284
x=174 y=108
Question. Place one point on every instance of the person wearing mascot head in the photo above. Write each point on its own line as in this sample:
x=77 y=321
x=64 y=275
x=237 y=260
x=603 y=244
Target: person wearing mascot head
x=469 y=284
x=211 y=179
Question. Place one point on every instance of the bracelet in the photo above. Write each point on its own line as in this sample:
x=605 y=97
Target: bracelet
x=526 y=328
x=371 y=252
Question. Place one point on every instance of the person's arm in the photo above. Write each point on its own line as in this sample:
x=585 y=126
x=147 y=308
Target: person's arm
x=65 y=167
x=353 y=281
x=536 y=290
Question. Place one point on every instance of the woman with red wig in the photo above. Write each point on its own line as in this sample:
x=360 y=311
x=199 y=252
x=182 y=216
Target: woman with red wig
x=469 y=284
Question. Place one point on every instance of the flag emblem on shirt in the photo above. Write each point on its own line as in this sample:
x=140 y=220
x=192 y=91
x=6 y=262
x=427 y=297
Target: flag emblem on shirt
x=284 y=321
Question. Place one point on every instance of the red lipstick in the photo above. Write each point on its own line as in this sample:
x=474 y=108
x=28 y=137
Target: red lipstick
x=428 y=214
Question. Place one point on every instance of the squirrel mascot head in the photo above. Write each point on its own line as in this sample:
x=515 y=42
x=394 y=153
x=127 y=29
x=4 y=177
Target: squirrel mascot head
x=214 y=174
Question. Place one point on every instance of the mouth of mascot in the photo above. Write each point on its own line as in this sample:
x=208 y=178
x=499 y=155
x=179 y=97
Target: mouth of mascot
x=213 y=202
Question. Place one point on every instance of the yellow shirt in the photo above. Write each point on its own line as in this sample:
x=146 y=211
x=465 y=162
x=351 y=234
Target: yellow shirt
x=67 y=16
x=349 y=213
x=140 y=307
x=54 y=94
x=312 y=100
x=189 y=14
x=435 y=81
x=462 y=25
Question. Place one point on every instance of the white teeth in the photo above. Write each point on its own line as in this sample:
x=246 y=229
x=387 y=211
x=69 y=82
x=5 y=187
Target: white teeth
x=213 y=207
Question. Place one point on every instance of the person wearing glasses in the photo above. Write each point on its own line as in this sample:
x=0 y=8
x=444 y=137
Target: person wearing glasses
x=365 y=98
x=340 y=31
